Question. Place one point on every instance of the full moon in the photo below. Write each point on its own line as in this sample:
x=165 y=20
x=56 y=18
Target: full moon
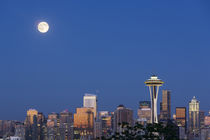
x=43 y=27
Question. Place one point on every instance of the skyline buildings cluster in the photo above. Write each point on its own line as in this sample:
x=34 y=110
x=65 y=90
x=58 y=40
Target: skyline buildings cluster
x=90 y=123
x=68 y=66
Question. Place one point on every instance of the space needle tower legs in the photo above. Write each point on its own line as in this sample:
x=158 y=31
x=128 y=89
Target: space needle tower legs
x=154 y=83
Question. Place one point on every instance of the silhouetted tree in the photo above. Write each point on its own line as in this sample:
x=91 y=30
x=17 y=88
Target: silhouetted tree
x=156 y=131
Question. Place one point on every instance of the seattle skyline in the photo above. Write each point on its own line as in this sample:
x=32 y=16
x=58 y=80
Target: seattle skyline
x=106 y=48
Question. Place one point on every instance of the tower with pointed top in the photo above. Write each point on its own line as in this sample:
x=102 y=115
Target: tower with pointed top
x=154 y=83
x=194 y=123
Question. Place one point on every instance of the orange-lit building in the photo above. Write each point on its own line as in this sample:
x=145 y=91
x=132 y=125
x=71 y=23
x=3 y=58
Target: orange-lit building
x=53 y=125
x=52 y=120
x=165 y=106
x=84 y=123
x=84 y=117
x=31 y=113
x=31 y=124
x=181 y=116
x=53 y=116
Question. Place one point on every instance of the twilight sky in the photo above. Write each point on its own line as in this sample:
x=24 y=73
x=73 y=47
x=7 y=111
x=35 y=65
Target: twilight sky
x=108 y=47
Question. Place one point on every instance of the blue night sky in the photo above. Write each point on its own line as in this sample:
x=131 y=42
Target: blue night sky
x=108 y=47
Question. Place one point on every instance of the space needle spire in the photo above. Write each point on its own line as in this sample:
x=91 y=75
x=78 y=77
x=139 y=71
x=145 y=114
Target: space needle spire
x=154 y=83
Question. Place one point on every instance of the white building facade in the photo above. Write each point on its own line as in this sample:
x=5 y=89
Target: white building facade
x=90 y=100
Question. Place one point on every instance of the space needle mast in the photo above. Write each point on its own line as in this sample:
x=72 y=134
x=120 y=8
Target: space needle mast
x=154 y=83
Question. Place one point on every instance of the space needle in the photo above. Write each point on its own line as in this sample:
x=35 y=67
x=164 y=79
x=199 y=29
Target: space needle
x=154 y=83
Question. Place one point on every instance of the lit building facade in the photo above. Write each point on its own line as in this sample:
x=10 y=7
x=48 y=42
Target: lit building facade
x=106 y=123
x=194 y=120
x=66 y=125
x=181 y=117
x=31 y=113
x=90 y=101
x=41 y=126
x=31 y=128
x=144 y=112
x=201 y=117
x=165 y=107
x=207 y=120
x=53 y=125
x=84 y=123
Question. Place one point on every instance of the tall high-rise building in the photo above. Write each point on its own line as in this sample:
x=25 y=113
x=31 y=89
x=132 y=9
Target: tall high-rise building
x=31 y=113
x=31 y=129
x=52 y=120
x=194 y=120
x=90 y=100
x=97 y=129
x=53 y=125
x=122 y=115
x=40 y=125
x=154 y=83
x=144 y=112
x=66 y=125
x=106 y=123
x=181 y=117
x=165 y=107
x=201 y=117
x=84 y=123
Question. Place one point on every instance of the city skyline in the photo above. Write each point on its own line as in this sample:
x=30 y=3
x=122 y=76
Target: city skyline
x=83 y=124
x=86 y=94
x=135 y=111
x=107 y=47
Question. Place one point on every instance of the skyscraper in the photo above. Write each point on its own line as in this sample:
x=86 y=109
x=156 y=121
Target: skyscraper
x=122 y=115
x=84 y=123
x=53 y=125
x=31 y=113
x=144 y=112
x=90 y=100
x=40 y=125
x=154 y=83
x=194 y=124
x=201 y=117
x=66 y=125
x=181 y=117
x=31 y=130
x=106 y=123
x=165 y=107
x=97 y=129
